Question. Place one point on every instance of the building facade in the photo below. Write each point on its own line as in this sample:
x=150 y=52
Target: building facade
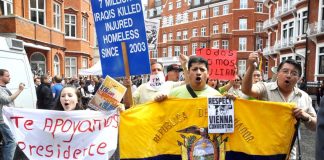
x=219 y=24
x=296 y=31
x=57 y=35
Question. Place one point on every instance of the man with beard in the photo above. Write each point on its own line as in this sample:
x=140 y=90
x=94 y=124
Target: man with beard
x=7 y=99
x=284 y=89
x=44 y=94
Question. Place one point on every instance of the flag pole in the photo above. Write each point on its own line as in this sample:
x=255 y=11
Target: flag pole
x=128 y=98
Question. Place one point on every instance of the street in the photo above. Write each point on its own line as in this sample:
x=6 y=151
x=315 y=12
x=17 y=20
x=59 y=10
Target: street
x=307 y=144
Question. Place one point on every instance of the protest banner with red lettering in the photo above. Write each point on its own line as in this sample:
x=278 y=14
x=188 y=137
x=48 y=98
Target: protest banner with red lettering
x=221 y=62
x=48 y=134
x=109 y=94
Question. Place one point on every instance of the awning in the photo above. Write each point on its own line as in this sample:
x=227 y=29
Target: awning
x=94 y=70
x=36 y=46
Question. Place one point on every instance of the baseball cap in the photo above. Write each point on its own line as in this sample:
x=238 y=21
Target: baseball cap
x=173 y=67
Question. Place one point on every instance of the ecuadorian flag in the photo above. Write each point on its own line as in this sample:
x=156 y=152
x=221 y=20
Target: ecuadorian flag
x=177 y=129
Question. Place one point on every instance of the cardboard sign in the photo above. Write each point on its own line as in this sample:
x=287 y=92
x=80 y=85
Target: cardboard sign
x=220 y=115
x=121 y=21
x=109 y=93
x=48 y=134
x=221 y=62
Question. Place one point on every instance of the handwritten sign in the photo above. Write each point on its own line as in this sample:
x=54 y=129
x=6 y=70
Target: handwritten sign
x=45 y=134
x=121 y=21
x=220 y=115
x=109 y=93
x=221 y=62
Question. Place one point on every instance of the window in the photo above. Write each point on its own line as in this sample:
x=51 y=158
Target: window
x=70 y=66
x=178 y=18
x=56 y=65
x=225 y=9
x=203 y=14
x=287 y=34
x=185 y=17
x=164 y=52
x=37 y=11
x=242 y=44
x=216 y=44
x=203 y=45
x=70 y=25
x=170 y=51
x=194 y=47
x=84 y=28
x=176 y=50
x=170 y=20
x=179 y=35
x=178 y=4
x=241 y=67
x=154 y=54
x=203 y=31
x=259 y=42
x=243 y=4
x=216 y=11
x=225 y=28
x=6 y=7
x=57 y=16
x=215 y=29
x=170 y=36
x=258 y=27
x=170 y=6
x=194 y=32
x=165 y=21
x=259 y=7
x=185 y=50
x=164 y=38
x=302 y=23
x=243 y=24
x=194 y=16
x=225 y=44
x=321 y=61
x=84 y=63
x=185 y=34
x=38 y=63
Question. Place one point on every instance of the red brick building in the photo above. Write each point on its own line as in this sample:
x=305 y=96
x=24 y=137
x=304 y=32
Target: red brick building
x=224 y=24
x=58 y=35
x=291 y=36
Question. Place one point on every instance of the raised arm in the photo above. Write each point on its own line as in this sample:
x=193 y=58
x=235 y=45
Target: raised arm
x=247 y=79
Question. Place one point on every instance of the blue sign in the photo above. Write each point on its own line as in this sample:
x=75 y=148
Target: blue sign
x=121 y=21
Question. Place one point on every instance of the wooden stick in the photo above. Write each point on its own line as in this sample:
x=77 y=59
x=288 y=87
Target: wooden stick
x=128 y=97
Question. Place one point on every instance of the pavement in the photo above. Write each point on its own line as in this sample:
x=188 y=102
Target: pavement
x=307 y=143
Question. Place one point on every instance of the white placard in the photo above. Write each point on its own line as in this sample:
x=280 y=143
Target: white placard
x=220 y=115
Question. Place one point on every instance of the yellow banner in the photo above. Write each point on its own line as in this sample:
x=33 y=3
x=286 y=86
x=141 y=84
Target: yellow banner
x=179 y=126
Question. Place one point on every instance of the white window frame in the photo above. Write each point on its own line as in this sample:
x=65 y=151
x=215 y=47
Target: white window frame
x=84 y=63
x=195 y=16
x=57 y=16
x=203 y=45
x=203 y=31
x=164 y=52
x=179 y=35
x=225 y=9
x=203 y=14
x=259 y=26
x=7 y=4
x=259 y=7
x=170 y=6
x=170 y=36
x=176 y=50
x=194 y=47
x=71 y=66
x=225 y=28
x=241 y=67
x=185 y=35
x=215 y=11
x=243 y=24
x=70 y=24
x=243 y=4
x=194 y=32
x=216 y=44
x=287 y=26
x=242 y=44
x=185 y=50
x=84 y=28
x=225 y=44
x=179 y=4
x=170 y=21
x=164 y=38
x=215 y=28
x=302 y=24
x=170 y=51
x=38 y=11
x=56 y=65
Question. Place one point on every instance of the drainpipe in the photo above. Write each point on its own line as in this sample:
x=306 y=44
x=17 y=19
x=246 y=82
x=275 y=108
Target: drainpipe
x=306 y=48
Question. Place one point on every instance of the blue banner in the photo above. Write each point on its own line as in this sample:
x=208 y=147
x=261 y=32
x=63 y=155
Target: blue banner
x=119 y=21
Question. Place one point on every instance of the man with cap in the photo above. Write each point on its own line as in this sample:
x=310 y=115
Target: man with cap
x=173 y=72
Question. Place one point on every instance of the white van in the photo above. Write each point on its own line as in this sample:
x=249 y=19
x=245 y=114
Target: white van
x=14 y=59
